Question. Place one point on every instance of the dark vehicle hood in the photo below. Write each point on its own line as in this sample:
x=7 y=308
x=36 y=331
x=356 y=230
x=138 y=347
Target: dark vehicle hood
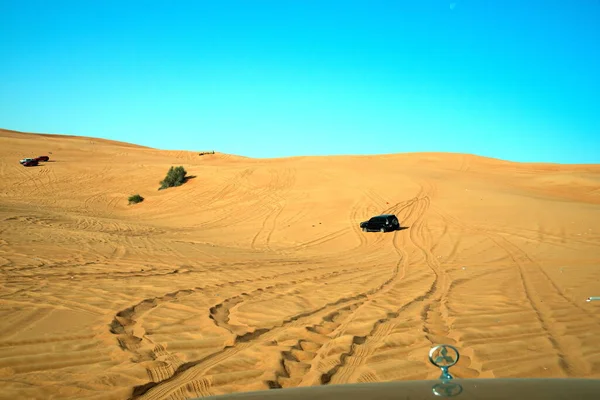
x=463 y=389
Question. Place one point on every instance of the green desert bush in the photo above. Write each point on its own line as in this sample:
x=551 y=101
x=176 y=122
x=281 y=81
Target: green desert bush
x=175 y=177
x=136 y=198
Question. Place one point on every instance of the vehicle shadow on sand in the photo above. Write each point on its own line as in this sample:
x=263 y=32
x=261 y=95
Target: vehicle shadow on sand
x=393 y=230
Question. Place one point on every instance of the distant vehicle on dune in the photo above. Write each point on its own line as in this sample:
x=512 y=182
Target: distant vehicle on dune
x=29 y=162
x=381 y=223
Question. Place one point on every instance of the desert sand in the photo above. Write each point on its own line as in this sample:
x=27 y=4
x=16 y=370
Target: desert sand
x=254 y=274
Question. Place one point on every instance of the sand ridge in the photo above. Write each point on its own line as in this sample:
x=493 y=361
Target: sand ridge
x=255 y=275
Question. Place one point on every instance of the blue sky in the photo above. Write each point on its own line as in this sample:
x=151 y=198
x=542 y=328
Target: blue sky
x=517 y=80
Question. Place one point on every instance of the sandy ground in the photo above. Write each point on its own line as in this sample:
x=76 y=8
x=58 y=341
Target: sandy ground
x=255 y=275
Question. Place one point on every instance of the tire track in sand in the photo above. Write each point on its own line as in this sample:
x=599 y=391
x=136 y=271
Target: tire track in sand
x=178 y=385
x=260 y=202
x=354 y=223
x=433 y=311
x=561 y=320
x=364 y=346
x=268 y=227
x=320 y=240
x=279 y=186
x=534 y=282
x=190 y=377
x=297 y=361
x=132 y=337
x=220 y=312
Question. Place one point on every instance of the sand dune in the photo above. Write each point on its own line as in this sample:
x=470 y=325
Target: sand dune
x=255 y=275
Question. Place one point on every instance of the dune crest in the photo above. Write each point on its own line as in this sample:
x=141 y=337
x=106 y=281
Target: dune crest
x=255 y=274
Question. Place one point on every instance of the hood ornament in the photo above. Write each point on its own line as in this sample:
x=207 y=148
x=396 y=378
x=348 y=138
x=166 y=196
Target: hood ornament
x=444 y=356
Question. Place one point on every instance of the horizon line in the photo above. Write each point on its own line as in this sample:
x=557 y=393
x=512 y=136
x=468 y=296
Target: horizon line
x=70 y=135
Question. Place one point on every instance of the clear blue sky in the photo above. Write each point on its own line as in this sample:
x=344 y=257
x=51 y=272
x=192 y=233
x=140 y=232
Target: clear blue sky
x=512 y=79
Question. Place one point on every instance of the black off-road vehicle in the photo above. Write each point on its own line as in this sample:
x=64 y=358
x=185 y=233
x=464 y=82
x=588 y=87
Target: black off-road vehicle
x=381 y=223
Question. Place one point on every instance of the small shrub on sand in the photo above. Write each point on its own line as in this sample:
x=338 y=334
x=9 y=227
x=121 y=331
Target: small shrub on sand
x=175 y=177
x=136 y=198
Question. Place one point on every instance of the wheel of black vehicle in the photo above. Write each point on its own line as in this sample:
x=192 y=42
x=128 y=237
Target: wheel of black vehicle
x=364 y=229
x=382 y=229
